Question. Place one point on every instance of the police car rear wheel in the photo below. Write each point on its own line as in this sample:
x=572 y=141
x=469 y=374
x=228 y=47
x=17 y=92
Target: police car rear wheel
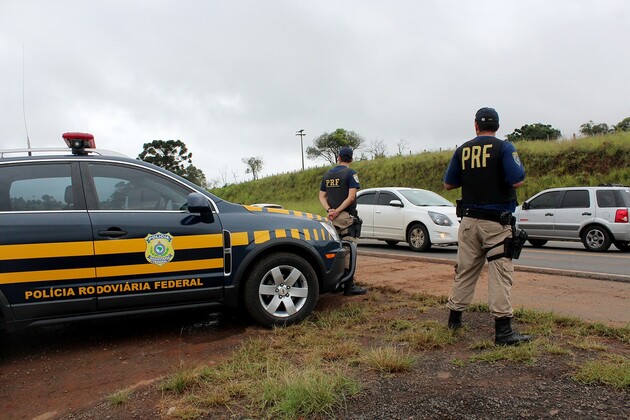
x=418 y=238
x=282 y=289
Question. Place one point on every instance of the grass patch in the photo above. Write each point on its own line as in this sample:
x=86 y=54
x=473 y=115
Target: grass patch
x=119 y=397
x=428 y=335
x=613 y=371
x=308 y=370
x=297 y=392
x=388 y=359
x=525 y=353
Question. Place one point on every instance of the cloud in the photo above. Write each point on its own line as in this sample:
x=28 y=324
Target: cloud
x=238 y=79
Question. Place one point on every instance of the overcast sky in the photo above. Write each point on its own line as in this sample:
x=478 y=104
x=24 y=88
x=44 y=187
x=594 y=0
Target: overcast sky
x=238 y=78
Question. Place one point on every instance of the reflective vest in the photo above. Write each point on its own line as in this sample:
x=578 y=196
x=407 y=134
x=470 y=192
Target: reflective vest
x=483 y=177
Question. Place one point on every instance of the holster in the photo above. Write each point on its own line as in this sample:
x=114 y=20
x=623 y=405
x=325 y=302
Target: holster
x=354 y=230
x=513 y=246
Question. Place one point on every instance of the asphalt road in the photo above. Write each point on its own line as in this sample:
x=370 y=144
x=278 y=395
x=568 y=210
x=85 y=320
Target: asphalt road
x=565 y=257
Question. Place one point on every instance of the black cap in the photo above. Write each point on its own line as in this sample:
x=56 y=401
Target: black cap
x=346 y=152
x=487 y=115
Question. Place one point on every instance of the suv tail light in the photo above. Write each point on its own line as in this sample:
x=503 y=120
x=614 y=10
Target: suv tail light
x=621 y=216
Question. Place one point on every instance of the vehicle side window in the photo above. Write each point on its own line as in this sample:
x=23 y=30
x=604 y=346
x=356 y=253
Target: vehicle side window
x=605 y=198
x=37 y=187
x=576 y=199
x=384 y=198
x=546 y=201
x=367 y=198
x=122 y=188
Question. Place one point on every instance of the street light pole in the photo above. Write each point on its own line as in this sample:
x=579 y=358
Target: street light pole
x=301 y=134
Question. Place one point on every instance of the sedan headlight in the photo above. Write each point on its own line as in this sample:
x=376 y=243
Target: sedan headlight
x=440 y=219
x=331 y=229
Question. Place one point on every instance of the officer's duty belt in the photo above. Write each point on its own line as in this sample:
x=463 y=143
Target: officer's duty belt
x=484 y=215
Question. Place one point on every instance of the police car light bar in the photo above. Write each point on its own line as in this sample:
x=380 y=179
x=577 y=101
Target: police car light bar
x=78 y=142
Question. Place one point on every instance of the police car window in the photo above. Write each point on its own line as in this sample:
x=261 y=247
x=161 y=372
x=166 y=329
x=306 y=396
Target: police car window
x=367 y=198
x=546 y=201
x=123 y=188
x=384 y=198
x=576 y=199
x=41 y=187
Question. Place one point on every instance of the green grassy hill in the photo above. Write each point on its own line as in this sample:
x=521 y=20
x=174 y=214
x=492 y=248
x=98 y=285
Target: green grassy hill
x=588 y=161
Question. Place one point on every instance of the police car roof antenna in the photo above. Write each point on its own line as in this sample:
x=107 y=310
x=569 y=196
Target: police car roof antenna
x=28 y=141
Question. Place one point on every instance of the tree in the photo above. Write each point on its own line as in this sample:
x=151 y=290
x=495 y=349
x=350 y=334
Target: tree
x=328 y=144
x=174 y=156
x=254 y=166
x=377 y=149
x=196 y=176
x=592 y=129
x=402 y=145
x=536 y=131
x=623 y=125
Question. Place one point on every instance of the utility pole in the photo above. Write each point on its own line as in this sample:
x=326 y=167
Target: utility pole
x=301 y=134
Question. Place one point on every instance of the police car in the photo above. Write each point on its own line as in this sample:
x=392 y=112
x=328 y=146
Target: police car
x=93 y=234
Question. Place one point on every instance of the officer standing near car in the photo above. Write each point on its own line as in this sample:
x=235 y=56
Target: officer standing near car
x=338 y=195
x=488 y=170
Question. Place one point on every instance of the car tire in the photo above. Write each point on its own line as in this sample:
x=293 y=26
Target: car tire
x=392 y=243
x=418 y=238
x=623 y=246
x=281 y=289
x=537 y=243
x=596 y=238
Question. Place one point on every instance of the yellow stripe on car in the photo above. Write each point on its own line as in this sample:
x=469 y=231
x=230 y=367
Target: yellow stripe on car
x=49 y=250
x=183 y=266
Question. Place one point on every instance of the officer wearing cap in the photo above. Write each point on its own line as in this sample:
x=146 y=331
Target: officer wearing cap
x=338 y=194
x=488 y=170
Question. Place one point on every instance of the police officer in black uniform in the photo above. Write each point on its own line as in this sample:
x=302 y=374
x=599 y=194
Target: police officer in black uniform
x=488 y=170
x=338 y=194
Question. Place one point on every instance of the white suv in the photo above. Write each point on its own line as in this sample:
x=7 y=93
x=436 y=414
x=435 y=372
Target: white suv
x=597 y=216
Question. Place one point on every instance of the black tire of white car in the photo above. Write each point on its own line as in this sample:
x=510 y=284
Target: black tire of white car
x=282 y=289
x=418 y=238
x=623 y=246
x=596 y=238
x=537 y=243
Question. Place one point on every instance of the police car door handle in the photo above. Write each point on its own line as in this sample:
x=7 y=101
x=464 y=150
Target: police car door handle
x=112 y=233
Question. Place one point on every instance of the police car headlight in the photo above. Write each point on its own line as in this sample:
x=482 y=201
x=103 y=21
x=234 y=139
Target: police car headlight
x=331 y=230
x=440 y=219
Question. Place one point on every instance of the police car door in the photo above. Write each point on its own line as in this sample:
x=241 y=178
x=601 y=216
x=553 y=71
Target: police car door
x=150 y=251
x=46 y=253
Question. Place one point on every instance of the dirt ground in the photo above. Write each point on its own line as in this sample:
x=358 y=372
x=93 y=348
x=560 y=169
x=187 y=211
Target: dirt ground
x=67 y=371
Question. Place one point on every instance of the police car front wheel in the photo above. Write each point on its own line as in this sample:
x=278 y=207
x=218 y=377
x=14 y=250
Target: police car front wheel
x=282 y=289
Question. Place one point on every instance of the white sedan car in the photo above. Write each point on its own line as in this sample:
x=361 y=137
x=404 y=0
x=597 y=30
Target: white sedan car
x=419 y=217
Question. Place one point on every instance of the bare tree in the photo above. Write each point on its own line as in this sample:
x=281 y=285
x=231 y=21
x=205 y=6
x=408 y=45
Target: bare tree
x=402 y=145
x=223 y=172
x=377 y=149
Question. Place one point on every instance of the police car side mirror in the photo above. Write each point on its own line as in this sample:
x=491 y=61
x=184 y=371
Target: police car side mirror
x=198 y=203
x=396 y=203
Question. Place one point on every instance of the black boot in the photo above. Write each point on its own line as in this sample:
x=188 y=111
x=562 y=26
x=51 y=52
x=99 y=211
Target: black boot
x=505 y=336
x=351 y=289
x=455 y=320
